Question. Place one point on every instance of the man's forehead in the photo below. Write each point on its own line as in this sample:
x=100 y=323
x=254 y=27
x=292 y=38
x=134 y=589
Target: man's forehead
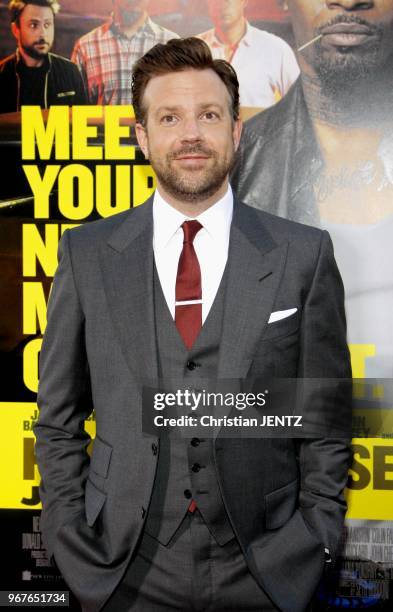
x=32 y=11
x=201 y=84
x=204 y=104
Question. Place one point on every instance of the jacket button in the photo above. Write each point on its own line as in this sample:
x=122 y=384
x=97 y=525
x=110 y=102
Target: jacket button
x=154 y=448
x=195 y=442
x=196 y=467
x=191 y=365
x=187 y=494
x=143 y=512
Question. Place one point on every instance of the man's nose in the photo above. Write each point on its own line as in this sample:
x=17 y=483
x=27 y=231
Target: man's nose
x=350 y=5
x=191 y=129
x=41 y=30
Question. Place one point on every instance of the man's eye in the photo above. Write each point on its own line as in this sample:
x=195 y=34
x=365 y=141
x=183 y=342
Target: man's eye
x=210 y=116
x=168 y=119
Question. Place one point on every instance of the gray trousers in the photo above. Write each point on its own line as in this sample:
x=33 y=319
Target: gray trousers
x=191 y=574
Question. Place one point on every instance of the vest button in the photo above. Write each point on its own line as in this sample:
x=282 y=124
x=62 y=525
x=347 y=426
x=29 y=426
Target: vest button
x=187 y=494
x=196 y=467
x=191 y=365
x=143 y=512
x=154 y=449
x=195 y=442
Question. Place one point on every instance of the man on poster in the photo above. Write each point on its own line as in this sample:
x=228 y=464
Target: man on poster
x=265 y=64
x=33 y=75
x=157 y=524
x=105 y=55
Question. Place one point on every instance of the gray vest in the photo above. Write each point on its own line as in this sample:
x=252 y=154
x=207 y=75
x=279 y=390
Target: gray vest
x=186 y=468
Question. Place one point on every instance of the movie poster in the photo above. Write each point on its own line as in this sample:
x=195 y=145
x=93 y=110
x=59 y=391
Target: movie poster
x=322 y=159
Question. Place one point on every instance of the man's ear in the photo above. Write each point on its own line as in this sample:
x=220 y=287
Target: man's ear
x=15 y=30
x=142 y=139
x=237 y=132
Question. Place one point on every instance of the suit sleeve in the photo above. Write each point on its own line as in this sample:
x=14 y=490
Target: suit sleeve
x=64 y=402
x=324 y=462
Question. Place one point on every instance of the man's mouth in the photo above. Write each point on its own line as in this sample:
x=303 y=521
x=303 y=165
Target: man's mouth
x=346 y=34
x=192 y=156
x=191 y=161
x=199 y=156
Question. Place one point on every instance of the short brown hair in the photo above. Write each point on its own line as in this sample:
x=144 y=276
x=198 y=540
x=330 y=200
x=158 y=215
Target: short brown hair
x=174 y=56
x=17 y=6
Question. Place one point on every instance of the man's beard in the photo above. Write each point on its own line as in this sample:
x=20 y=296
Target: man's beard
x=128 y=17
x=192 y=185
x=36 y=54
x=349 y=67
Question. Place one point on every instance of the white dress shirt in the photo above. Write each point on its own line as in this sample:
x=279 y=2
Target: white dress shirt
x=211 y=246
x=265 y=65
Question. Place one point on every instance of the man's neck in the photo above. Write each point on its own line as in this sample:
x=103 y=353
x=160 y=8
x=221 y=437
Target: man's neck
x=196 y=208
x=27 y=60
x=352 y=187
x=366 y=104
x=130 y=28
x=233 y=34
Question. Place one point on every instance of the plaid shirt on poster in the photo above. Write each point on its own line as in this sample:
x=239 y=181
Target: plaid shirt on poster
x=105 y=58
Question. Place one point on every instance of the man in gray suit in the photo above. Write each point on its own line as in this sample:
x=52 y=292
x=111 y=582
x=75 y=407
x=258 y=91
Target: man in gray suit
x=189 y=285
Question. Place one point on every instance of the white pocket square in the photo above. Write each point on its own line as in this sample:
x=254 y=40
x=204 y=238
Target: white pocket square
x=281 y=314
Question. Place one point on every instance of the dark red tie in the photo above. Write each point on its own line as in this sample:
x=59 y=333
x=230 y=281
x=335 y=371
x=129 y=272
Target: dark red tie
x=188 y=317
x=188 y=309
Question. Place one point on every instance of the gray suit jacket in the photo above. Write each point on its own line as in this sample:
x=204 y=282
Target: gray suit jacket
x=99 y=344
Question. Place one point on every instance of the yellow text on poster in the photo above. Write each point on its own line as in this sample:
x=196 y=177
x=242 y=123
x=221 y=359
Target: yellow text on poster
x=19 y=475
x=370 y=481
x=370 y=484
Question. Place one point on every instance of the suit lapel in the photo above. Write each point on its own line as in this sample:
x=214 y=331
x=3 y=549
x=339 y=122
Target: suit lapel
x=127 y=271
x=255 y=266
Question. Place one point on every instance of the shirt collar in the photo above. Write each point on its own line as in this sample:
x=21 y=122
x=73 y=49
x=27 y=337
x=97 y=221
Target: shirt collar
x=248 y=36
x=148 y=26
x=216 y=220
x=46 y=66
x=153 y=27
x=246 y=39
